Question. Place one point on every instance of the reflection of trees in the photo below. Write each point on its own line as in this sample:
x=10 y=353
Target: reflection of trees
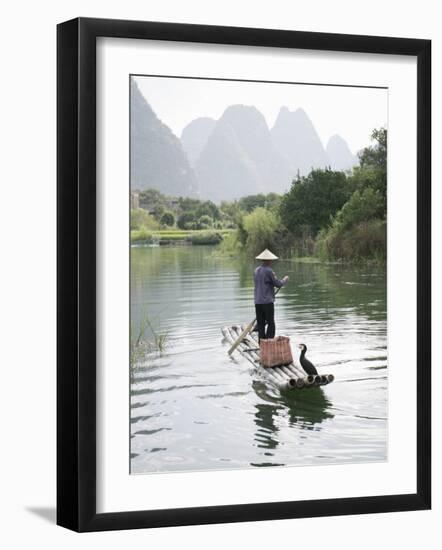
x=242 y=265
x=307 y=407
x=330 y=287
x=304 y=408
x=150 y=263
x=265 y=425
x=184 y=282
x=150 y=267
x=318 y=286
x=313 y=286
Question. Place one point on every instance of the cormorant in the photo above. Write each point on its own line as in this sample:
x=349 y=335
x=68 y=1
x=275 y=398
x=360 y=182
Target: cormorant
x=305 y=363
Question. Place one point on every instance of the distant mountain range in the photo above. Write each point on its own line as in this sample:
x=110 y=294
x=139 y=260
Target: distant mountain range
x=157 y=158
x=339 y=154
x=195 y=135
x=228 y=158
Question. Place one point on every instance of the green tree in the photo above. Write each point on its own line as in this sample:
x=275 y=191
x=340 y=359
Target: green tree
x=167 y=219
x=361 y=207
x=372 y=169
x=158 y=211
x=140 y=218
x=230 y=214
x=208 y=208
x=230 y=209
x=186 y=220
x=313 y=199
x=150 y=199
x=273 y=201
x=250 y=202
x=358 y=231
x=261 y=228
x=186 y=204
x=375 y=156
x=205 y=222
x=366 y=240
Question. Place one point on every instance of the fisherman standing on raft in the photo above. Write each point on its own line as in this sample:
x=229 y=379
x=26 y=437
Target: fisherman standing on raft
x=265 y=283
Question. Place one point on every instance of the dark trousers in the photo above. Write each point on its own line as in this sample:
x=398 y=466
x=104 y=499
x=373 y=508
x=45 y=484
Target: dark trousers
x=265 y=315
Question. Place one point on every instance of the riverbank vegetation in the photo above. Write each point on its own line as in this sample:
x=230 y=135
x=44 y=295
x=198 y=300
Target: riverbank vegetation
x=143 y=236
x=160 y=219
x=141 y=346
x=328 y=214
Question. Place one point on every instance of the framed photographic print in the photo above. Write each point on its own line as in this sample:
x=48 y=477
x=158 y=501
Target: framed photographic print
x=243 y=274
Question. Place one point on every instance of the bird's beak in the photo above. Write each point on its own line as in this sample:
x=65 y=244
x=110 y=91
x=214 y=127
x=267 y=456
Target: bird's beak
x=300 y=346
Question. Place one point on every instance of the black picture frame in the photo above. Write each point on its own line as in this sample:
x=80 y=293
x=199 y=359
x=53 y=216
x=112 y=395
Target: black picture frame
x=77 y=287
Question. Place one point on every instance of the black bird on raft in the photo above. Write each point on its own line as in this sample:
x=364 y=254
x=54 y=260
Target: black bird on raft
x=307 y=365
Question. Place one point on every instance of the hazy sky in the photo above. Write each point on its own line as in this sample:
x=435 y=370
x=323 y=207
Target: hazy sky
x=350 y=112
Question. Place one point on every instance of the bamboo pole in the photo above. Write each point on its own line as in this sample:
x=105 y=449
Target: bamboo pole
x=296 y=370
x=241 y=337
x=270 y=374
x=281 y=372
x=277 y=373
x=289 y=373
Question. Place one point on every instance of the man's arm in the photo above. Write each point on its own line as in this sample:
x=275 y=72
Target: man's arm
x=278 y=282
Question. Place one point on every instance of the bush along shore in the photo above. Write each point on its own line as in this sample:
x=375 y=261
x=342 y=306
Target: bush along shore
x=144 y=237
x=327 y=215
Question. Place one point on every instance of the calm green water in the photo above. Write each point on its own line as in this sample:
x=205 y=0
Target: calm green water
x=194 y=408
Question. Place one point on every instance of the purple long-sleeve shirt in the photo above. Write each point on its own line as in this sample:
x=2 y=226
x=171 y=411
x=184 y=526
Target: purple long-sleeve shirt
x=265 y=282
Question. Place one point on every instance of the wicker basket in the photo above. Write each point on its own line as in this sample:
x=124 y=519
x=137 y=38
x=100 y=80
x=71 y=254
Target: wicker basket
x=276 y=351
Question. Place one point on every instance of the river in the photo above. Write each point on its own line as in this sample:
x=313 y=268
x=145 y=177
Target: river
x=194 y=408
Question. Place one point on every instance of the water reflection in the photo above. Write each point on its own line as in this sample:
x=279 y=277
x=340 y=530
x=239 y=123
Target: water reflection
x=306 y=409
x=265 y=426
x=303 y=410
x=194 y=408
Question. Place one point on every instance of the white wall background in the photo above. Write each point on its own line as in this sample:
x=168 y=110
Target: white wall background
x=27 y=280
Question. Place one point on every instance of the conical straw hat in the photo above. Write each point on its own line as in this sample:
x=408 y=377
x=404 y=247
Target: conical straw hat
x=266 y=255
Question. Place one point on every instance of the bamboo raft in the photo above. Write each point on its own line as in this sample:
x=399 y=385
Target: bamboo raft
x=285 y=377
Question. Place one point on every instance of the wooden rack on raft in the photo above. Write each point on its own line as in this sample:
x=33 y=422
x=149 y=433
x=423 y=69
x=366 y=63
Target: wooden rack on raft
x=285 y=377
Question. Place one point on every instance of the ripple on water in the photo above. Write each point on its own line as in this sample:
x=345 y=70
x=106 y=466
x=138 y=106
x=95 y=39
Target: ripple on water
x=194 y=408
